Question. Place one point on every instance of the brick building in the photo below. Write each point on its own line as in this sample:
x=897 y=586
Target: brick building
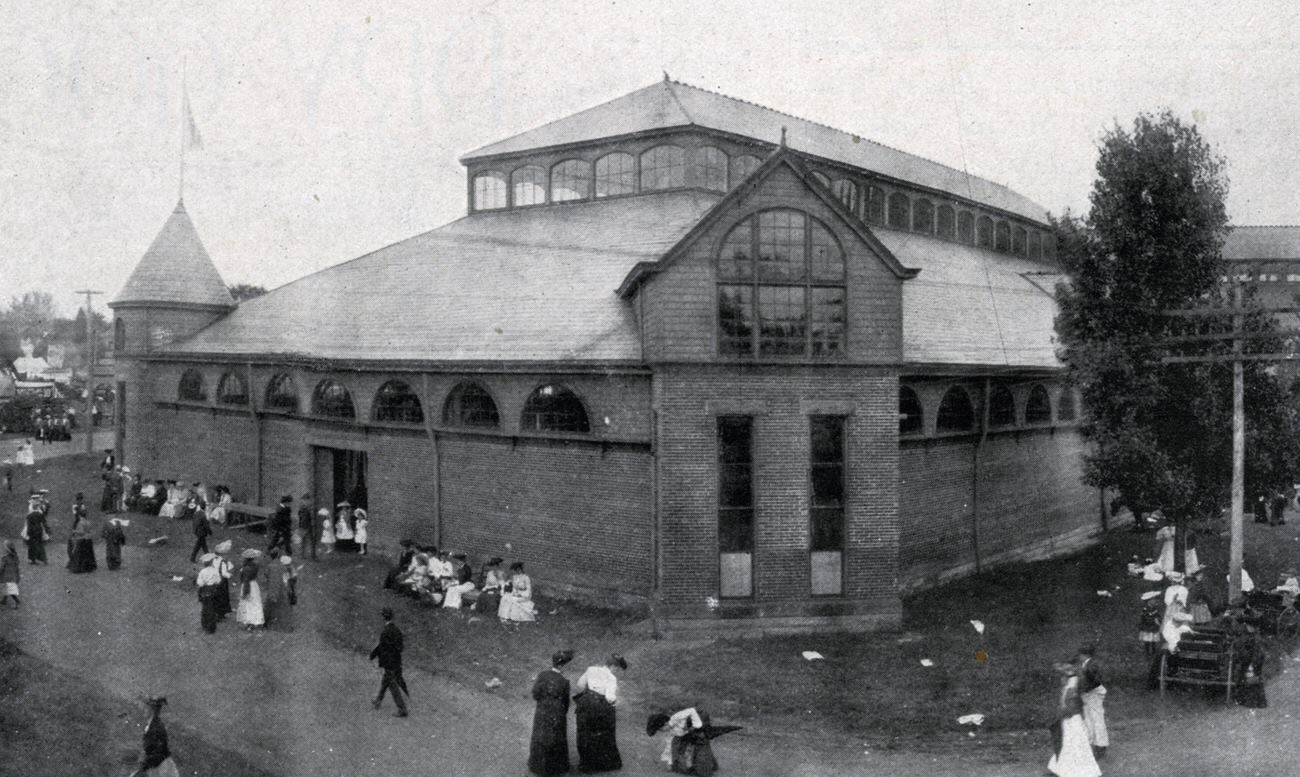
x=682 y=349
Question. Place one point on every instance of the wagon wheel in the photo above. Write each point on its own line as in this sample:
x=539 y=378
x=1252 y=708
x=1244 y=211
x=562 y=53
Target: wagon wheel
x=1288 y=623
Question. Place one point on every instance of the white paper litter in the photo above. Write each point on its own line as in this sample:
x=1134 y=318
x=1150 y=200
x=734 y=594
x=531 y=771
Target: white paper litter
x=973 y=719
x=1104 y=593
x=812 y=655
x=928 y=662
x=979 y=625
x=493 y=683
x=158 y=540
x=177 y=579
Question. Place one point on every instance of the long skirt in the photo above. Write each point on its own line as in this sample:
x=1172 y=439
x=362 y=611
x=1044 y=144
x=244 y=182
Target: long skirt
x=208 y=608
x=1075 y=758
x=165 y=769
x=108 y=501
x=597 y=740
x=223 y=599
x=113 y=555
x=1094 y=716
x=453 y=595
x=250 y=607
x=81 y=555
x=548 y=750
x=36 y=551
x=488 y=601
x=516 y=608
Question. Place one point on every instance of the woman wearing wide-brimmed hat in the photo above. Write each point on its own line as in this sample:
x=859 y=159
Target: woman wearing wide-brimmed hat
x=250 y=612
x=156 y=760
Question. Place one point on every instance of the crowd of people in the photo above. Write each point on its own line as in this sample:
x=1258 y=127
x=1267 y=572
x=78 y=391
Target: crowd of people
x=447 y=579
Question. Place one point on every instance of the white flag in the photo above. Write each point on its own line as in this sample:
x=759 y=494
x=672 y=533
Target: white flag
x=192 y=138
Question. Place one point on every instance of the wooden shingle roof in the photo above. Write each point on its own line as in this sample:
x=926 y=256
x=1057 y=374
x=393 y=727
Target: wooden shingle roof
x=176 y=269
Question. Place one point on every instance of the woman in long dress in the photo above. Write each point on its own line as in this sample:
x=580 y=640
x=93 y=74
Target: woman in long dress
x=1165 y=536
x=25 y=455
x=114 y=539
x=250 y=593
x=1073 y=754
x=597 y=732
x=517 y=599
x=548 y=750
x=687 y=750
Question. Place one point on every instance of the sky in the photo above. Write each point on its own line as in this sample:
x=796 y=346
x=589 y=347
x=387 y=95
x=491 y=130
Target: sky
x=330 y=129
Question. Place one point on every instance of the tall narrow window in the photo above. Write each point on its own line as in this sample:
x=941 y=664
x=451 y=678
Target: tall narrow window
x=711 y=168
x=911 y=416
x=735 y=506
x=923 y=216
x=1038 y=408
x=119 y=334
x=826 y=503
x=570 y=180
x=490 y=190
x=529 y=185
x=615 y=175
x=984 y=232
x=900 y=211
x=875 y=205
x=847 y=192
x=946 y=222
x=965 y=227
x=742 y=167
x=663 y=167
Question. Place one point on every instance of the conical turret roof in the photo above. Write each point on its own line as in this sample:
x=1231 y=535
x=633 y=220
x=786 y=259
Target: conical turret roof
x=176 y=269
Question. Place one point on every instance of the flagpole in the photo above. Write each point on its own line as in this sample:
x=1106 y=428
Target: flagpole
x=184 y=87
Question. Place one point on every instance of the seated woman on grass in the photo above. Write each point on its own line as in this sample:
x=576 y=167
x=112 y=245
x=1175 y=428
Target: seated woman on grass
x=455 y=590
x=488 y=597
x=517 y=599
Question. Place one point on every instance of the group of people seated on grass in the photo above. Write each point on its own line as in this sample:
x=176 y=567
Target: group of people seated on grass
x=447 y=579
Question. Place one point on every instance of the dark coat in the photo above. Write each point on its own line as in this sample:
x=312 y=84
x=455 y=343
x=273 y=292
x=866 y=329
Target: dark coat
x=1090 y=679
x=10 y=569
x=389 y=649
x=155 y=744
x=548 y=751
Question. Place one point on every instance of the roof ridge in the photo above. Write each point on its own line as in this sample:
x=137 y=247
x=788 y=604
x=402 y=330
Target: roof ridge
x=1264 y=226
x=669 y=83
x=853 y=135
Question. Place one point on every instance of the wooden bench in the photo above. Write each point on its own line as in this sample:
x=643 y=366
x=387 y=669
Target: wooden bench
x=1204 y=657
x=247 y=516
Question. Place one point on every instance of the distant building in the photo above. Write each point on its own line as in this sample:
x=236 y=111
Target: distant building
x=682 y=348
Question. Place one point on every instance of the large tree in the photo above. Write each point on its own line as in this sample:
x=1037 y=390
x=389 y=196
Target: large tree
x=246 y=291
x=1160 y=433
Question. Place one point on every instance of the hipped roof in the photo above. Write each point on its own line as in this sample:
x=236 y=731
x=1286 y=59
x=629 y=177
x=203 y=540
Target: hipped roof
x=176 y=270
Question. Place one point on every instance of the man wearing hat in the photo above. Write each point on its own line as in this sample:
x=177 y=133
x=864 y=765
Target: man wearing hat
x=281 y=527
x=156 y=760
x=209 y=581
x=389 y=653
x=202 y=530
x=307 y=524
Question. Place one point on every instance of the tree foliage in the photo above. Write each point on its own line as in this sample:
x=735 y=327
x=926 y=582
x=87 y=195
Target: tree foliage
x=246 y=291
x=1160 y=434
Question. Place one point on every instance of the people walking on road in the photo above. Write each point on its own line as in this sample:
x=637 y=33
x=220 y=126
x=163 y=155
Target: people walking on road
x=156 y=760
x=202 y=530
x=548 y=750
x=1092 y=692
x=597 y=735
x=36 y=531
x=389 y=653
x=10 y=572
x=209 y=582
x=250 y=612
x=1072 y=756
x=81 y=545
x=114 y=538
x=307 y=525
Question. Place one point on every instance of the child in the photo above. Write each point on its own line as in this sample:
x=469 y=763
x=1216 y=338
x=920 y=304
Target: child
x=327 y=529
x=362 y=522
x=289 y=576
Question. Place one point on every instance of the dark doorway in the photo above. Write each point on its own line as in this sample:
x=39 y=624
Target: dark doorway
x=340 y=477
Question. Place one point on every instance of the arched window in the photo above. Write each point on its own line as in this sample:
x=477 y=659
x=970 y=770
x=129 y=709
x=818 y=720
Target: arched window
x=911 y=417
x=529 y=184
x=1035 y=245
x=965 y=227
x=396 y=402
x=900 y=211
x=923 y=216
x=553 y=408
x=822 y=179
x=1065 y=409
x=847 y=191
x=490 y=190
x=956 y=414
x=231 y=390
x=1038 y=408
x=469 y=404
x=946 y=222
x=615 y=175
x=119 y=334
x=875 y=205
x=1019 y=241
x=332 y=400
x=781 y=287
x=1002 y=407
x=663 y=167
x=570 y=180
x=192 y=388
x=1002 y=240
x=282 y=394
x=711 y=168
x=984 y=232
x=742 y=167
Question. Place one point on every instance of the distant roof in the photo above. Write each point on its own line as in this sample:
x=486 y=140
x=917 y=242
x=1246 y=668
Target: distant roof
x=176 y=269
x=512 y=285
x=972 y=306
x=667 y=104
x=1271 y=242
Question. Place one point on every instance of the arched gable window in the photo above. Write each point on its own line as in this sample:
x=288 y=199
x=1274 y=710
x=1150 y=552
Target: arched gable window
x=1019 y=241
x=711 y=168
x=923 y=216
x=615 y=175
x=554 y=408
x=332 y=400
x=900 y=210
x=847 y=192
x=570 y=180
x=1003 y=237
x=397 y=402
x=1065 y=408
x=192 y=388
x=822 y=179
x=1002 y=407
x=663 y=167
x=875 y=205
x=469 y=404
x=490 y=190
x=742 y=167
x=965 y=227
x=984 y=232
x=911 y=416
x=781 y=287
x=231 y=390
x=119 y=334
x=945 y=222
x=1038 y=408
x=956 y=414
x=282 y=394
x=1035 y=245
x=529 y=184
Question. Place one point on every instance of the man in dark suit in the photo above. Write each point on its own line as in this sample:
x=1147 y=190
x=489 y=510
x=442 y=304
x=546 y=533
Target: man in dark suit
x=307 y=525
x=389 y=653
x=281 y=527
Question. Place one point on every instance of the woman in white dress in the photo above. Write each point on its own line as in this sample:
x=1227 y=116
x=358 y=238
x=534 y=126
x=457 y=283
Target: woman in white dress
x=1178 y=617
x=1165 y=536
x=1072 y=756
x=250 y=612
x=217 y=512
x=517 y=599
x=177 y=496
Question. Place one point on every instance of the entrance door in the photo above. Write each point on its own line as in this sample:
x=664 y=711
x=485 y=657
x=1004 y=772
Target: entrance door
x=339 y=475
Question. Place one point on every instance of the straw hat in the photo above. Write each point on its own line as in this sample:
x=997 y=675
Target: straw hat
x=1149 y=595
x=251 y=553
x=1174 y=577
x=224 y=547
x=286 y=560
x=206 y=558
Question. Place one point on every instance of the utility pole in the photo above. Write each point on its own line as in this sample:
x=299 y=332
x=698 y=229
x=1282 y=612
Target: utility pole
x=90 y=369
